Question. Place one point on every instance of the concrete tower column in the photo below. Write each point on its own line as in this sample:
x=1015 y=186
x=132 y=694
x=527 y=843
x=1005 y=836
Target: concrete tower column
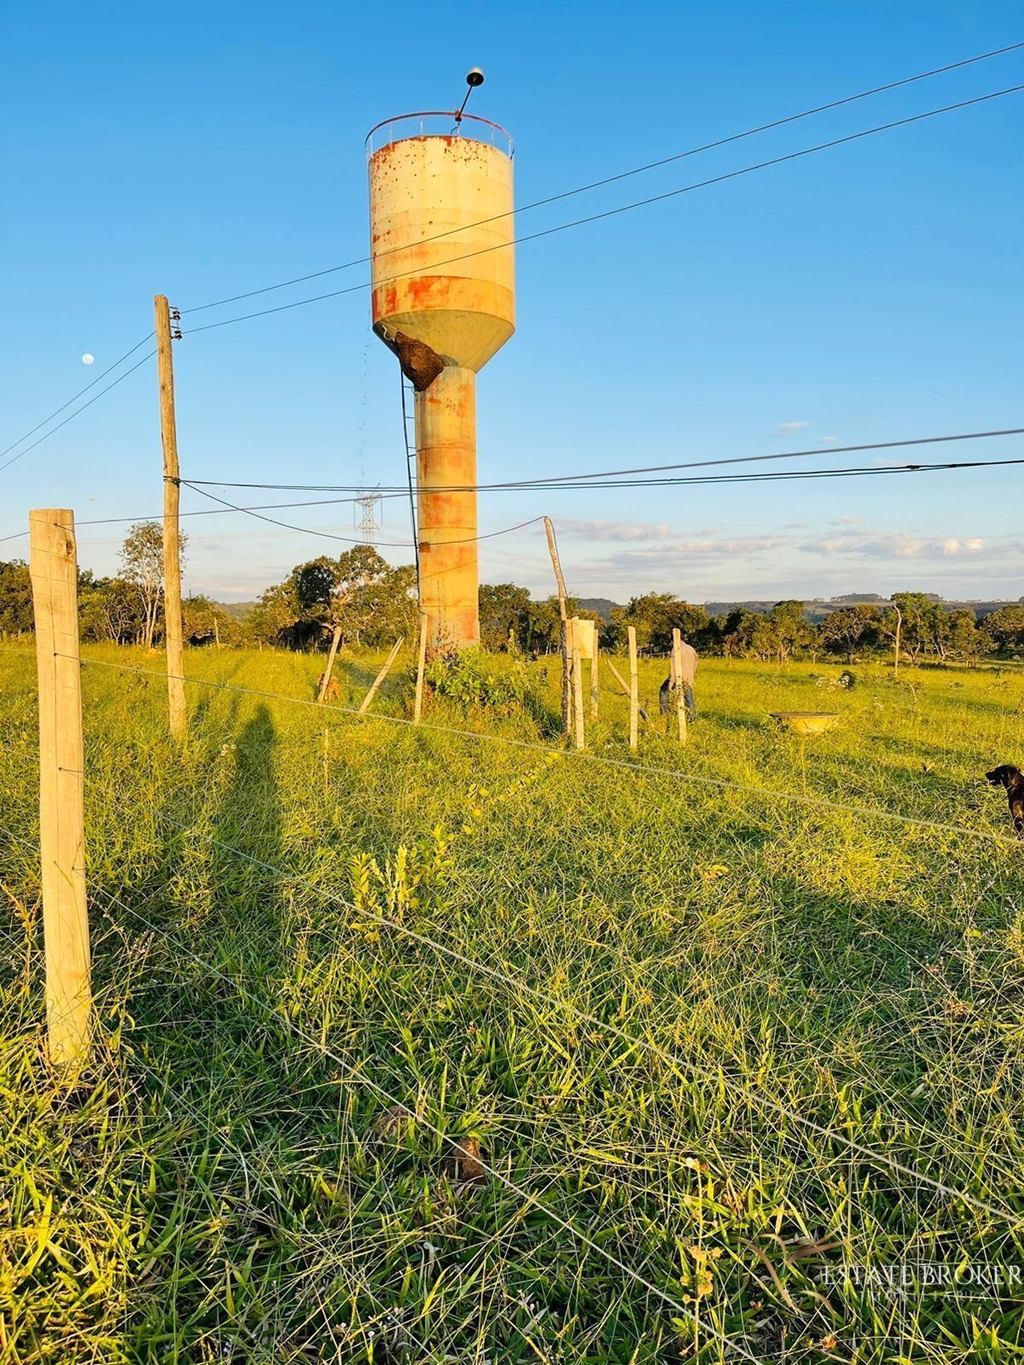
x=446 y=461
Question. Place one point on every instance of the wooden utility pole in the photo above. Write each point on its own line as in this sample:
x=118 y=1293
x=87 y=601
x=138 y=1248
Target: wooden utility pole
x=385 y=670
x=634 y=689
x=896 y=647
x=567 y=694
x=577 y=682
x=325 y=677
x=421 y=661
x=677 y=675
x=173 y=632
x=54 y=573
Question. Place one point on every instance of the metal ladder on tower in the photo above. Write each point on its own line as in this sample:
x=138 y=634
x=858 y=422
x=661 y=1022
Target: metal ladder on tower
x=409 y=435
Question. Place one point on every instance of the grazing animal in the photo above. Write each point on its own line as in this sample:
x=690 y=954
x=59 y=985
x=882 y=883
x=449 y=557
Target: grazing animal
x=666 y=701
x=333 y=688
x=1006 y=775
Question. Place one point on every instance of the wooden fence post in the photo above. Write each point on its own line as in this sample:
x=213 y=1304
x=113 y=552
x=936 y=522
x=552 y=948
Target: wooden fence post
x=634 y=688
x=54 y=574
x=382 y=674
x=421 y=660
x=325 y=677
x=677 y=673
x=567 y=694
x=577 y=682
x=593 y=679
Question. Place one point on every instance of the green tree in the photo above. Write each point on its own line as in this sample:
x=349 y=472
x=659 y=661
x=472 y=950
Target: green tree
x=204 y=620
x=142 y=563
x=850 y=630
x=504 y=615
x=736 y=632
x=1005 y=625
x=543 y=625
x=922 y=629
x=273 y=619
x=371 y=600
x=962 y=638
x=655 y=615
x=110 y=609
x=16 y=616
x=782 y=631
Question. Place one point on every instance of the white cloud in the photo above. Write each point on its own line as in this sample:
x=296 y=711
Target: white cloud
x=956 y=547
x=828 y=441
x=790 y=428
x=889 y=545
x=611 y=530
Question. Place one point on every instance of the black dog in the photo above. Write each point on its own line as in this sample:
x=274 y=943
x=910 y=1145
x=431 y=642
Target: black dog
x=1013 y=780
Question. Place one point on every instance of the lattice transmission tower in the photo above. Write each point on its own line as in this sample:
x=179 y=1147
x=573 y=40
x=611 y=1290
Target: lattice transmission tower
x=368 y=524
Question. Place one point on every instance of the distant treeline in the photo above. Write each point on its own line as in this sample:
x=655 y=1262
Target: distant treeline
x=926 y=628
x=372 y=602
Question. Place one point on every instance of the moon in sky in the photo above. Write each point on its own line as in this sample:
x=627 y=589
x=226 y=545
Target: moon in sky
x=87 y=359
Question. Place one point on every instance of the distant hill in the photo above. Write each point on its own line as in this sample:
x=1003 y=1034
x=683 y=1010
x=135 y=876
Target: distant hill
x=602 y=605
x=238 y=611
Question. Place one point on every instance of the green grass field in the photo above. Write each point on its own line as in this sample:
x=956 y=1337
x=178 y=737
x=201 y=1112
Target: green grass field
x=733 y=1062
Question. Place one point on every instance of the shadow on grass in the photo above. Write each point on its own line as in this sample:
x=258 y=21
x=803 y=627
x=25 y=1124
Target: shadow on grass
x=213 y=1065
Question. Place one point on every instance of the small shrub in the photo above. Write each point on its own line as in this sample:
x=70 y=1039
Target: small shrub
x=473 y=678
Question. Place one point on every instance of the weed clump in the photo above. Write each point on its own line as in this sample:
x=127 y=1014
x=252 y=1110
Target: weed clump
x=473 y=678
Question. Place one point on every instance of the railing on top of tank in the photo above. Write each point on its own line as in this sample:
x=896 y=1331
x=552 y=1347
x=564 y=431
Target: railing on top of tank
x=437 y=123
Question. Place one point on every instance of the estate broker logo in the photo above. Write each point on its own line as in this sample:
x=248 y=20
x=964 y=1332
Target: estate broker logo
x=922 y=1277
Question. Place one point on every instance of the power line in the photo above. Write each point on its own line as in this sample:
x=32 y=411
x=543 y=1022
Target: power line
x=625 y=208
x=771 y=476
x=96 y=397
x=622 y=175
x=329 y=535
x=579 y=222
x=557 y=480
x=862 y=471
x=57 y=411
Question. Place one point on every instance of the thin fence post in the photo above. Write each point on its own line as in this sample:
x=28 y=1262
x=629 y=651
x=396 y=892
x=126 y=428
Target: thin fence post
x=325 y=677
x=634 y=689
x=54 y=574
x=421 y=661
x=677 y=670
x=593 y=679
x=567 y=694
x=577 y=682
x=173 y=628
x=385 y=670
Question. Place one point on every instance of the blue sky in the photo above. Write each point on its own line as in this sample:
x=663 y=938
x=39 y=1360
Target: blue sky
x=867 y=293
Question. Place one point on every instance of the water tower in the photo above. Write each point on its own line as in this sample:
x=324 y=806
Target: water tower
x=443 y=279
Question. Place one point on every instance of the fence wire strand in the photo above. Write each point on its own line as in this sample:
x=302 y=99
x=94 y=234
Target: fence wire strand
x=725 y=784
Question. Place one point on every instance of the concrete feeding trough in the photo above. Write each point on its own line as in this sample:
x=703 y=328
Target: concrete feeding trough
x=806 y=723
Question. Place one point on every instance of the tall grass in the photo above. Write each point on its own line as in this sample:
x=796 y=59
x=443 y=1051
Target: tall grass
x=704 y=1031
